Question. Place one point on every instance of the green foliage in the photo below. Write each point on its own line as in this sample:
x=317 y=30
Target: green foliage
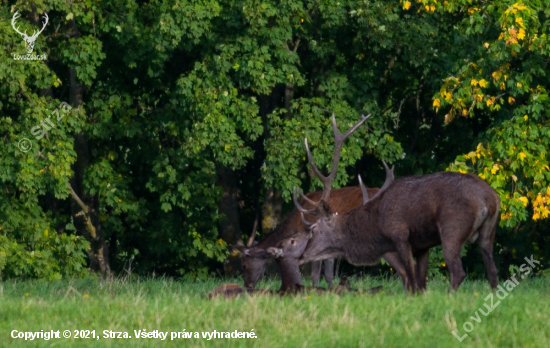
x=173 y=92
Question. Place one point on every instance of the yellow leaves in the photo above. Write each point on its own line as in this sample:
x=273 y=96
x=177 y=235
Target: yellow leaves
x=464 y=112
x=429 y=8
x=519 y=84
x=486 y=45
x=490 y=101
x=519 y=21
x=301 y=20
x=521 y=34
x=497 y=75
x=437 y=103
x=512 y=36
x=463 y=171
x=472 y=10
x=406 y=5
x=46 y=233
x=483 y=83
x=472 y=155
x=494 y=169
x=502 y=86
x=511 y=100
x=515 y=178
x=525 y=118
x=522 y=155
x=448 y=96
x=480 y=148
x=520 y=7
x=541 y=210
x=523 y=200
x=473 y=82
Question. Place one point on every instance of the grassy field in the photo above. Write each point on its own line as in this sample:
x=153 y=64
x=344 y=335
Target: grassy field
x=389 y=318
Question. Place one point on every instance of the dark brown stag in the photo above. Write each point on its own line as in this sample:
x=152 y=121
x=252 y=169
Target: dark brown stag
x=408 y=216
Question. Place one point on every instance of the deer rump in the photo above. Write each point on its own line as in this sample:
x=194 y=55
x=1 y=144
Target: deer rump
x=410 y=216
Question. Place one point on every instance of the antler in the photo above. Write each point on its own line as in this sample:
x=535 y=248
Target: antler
x=387 y=183
x=43 y=27
x=14 y=18
x=339 y=140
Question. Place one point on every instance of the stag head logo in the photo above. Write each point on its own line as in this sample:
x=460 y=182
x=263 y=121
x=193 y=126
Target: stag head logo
x=28 y=39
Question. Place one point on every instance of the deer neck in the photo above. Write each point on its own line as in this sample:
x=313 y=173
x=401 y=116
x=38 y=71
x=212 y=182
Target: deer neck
x=290 y=273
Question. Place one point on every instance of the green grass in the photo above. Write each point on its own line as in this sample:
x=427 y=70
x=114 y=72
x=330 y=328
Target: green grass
x=389 y=318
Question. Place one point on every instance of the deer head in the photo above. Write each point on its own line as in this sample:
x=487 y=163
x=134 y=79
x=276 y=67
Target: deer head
x=319 y=236
x=30 y=40
x=254 y=262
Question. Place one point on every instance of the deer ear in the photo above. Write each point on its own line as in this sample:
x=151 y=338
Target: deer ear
x=275 y=252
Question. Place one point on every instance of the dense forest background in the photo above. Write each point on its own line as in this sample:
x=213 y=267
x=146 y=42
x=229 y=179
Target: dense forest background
x=187 y=118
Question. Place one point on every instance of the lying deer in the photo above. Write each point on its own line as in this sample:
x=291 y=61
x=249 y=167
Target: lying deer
x=408 y=216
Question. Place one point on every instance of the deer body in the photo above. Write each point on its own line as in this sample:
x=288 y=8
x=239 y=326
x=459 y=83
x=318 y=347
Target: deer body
x=407 y=216
x=412 y=215
x=256 y=258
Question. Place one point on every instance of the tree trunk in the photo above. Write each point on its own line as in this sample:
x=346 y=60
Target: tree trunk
x=85 y=207
x=230 y=229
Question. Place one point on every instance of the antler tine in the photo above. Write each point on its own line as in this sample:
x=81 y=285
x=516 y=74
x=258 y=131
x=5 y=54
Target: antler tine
x=305 y=222
x=312 y=163
x=307 y=199
x=298 y=206
x=339 y=139
x=389 y=176
x=363 y=190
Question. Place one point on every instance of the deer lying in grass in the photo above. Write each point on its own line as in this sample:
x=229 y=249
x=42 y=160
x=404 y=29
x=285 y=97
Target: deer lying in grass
x=233 y=290
x=409 y=216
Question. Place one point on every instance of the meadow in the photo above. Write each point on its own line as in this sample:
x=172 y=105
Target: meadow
x=389 y=318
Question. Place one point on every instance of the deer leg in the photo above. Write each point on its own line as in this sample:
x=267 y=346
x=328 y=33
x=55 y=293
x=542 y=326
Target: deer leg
x=328 y=272
x=315 y=273
x=395 y=263
x=404 y=251
x=451 y=253
x=422 y=261
x=486 y=237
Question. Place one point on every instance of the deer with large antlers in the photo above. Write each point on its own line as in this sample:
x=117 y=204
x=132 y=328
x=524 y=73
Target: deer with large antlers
x=256 y=257
x=409 y=216
x=30 y=40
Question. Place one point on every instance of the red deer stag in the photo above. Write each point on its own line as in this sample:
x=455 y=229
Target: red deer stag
x=409 y=216
x=255 y=258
